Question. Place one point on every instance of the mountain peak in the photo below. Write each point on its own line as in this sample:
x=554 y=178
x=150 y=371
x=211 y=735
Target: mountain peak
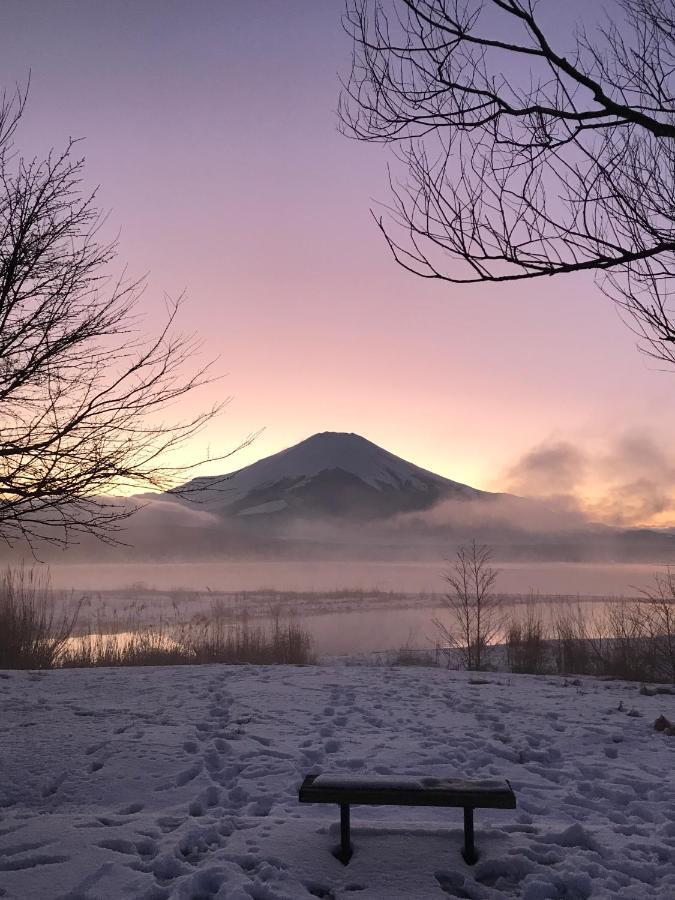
x=343 y=449
x=349 y=452
x=334 y=471
x=334 y=438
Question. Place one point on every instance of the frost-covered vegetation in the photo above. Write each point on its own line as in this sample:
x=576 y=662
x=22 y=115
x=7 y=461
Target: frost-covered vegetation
x=632 y=639
x=40 y=630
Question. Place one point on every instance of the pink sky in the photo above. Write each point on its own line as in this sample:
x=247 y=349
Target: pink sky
x=212 y=132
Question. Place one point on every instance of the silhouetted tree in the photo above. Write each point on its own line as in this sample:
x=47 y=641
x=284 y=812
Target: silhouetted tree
x=83 y=393
x=525 y=160
x=475 y=611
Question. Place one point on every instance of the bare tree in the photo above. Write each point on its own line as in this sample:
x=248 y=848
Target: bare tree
x=84 y=395
x=475 y=611
x=525 y=160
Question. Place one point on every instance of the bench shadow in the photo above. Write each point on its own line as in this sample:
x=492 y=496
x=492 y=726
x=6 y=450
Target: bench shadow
x=454 y=837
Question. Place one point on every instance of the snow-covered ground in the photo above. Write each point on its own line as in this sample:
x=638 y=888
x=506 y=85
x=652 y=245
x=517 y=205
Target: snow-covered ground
x=182 y=783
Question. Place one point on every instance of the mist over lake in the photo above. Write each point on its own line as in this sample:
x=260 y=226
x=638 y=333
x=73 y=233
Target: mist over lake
x=596 y=579
x=347 y=608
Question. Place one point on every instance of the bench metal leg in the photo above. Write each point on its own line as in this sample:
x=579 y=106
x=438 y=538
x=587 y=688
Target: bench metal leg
x=469 y=852
x=345 y=852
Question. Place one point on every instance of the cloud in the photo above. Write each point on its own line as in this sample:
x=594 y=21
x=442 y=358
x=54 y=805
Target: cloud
x=548 y=470
x=497 y=512
x=162 y=512
x=630 y=480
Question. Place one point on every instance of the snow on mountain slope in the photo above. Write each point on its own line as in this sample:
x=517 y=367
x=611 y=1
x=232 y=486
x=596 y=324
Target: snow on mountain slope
x=349 y=452
x=327 y=472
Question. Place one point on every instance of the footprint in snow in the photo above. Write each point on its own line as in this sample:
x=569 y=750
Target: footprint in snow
x=95 y=747
x=167 y=824
x=130 y=809
x=188 y=775
x=52 y=786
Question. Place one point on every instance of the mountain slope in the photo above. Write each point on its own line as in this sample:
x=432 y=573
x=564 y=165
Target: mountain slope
x=329 y=474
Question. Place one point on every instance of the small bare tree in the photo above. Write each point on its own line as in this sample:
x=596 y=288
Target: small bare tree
x=475 y=611
x=526 y=153
x=84 y=394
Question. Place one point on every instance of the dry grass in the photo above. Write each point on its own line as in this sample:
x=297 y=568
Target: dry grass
x=527 y=648
x=221 y=637
x=630 y=639
x=33 y=633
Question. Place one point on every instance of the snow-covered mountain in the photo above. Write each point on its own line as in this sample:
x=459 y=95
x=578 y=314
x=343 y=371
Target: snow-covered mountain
x=337 y=496
x=329 y=474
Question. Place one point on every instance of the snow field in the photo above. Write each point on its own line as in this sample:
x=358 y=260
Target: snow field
x=182 y=783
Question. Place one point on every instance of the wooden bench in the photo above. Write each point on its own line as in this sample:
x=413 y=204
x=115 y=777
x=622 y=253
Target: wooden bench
x=390 y=790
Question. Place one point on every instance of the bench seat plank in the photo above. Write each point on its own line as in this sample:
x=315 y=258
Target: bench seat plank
x=407 y=791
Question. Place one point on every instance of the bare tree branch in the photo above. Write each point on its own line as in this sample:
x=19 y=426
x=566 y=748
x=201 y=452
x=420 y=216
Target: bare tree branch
x=85 y=396
x=522 y=160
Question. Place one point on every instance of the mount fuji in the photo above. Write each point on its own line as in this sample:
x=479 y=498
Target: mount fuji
x=339 y=496
x=331 y=474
